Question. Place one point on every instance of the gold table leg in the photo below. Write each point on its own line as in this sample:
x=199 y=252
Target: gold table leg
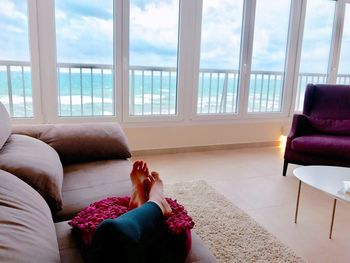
x=332 y=222
x=297 y=207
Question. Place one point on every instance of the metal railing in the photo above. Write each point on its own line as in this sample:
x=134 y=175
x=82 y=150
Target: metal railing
x=16 y=88
x=152 y=90
x=217 y=91
x=343 y=79
x=85 y=89
x=303 y=80
x=88 y=90
x=265 y=91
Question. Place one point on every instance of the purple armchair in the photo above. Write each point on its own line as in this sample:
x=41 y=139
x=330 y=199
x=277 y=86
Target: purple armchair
x=321 y=135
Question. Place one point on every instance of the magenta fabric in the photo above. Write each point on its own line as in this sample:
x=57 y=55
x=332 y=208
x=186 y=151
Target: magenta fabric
x=329 y=126
x=324 y=101
x=324 y=145
x=89 y=218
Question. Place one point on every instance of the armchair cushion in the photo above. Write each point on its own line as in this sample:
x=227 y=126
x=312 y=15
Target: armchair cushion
x=323 y=145
x=76 y=143
x=5 y=127
x=329 y=126
x=37 y=164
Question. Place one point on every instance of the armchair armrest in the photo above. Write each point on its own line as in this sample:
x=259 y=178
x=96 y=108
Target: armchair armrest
x=76 y=143
x=300 y=125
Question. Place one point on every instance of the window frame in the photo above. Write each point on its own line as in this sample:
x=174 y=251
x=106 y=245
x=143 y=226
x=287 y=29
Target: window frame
x=42 y=42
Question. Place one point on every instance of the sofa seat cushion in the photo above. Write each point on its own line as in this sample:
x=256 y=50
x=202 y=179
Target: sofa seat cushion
x=87 y=183
x=27 y=232
x=324 y=145
x=71 y=253
x=36 y=163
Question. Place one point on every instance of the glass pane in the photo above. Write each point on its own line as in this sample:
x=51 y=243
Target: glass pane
x=15 y=68
x=316 y=46
x=84 y=35
x=269 y=55
x=153 y=57
x=219 y=58
x=344 y=62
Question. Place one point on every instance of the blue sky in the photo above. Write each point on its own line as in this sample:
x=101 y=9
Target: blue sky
x=14 y=30
x=85 y=33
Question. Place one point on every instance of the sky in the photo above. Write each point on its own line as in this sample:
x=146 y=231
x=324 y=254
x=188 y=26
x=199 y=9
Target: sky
x=84 y=33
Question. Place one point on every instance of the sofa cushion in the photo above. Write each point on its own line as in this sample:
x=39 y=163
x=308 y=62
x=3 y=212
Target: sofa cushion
x=37 y=164
x=87 y=183
x=326 y=145
x=5 y=127
x=27 y=232
x=329 y=126
x=76 y=143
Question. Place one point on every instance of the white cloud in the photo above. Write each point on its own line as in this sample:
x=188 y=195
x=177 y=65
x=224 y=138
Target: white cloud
x=155 y=25
x=317 y=36
x=9 y=9
x=221 y=34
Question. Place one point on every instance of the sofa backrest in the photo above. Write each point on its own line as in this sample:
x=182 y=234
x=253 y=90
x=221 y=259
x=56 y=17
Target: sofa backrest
x=330 y=102
x=77 y=143
x=27 y=231
x=5 y=125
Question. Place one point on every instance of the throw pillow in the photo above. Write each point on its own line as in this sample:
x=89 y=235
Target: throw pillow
x=36 y=163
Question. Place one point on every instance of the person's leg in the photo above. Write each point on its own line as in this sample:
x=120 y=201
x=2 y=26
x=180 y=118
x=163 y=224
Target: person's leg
x=139 y=181
x=156 y=193
x=129 y=237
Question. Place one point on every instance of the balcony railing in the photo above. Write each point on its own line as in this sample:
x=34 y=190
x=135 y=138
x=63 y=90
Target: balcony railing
x=303 y=80
x=265 y=91
x=152 y=91
x=85 y=89
x=217 y=91
x=88 y=90
x=16 y=88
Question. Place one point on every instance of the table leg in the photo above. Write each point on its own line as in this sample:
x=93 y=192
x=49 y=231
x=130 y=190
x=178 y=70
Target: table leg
x=297 y=206
x=333 y=213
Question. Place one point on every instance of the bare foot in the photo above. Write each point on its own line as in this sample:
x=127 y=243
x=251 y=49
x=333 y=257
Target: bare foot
x=139 y=180
x=156 y=194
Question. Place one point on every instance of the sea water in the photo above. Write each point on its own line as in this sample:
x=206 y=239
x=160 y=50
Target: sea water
x=92 y=94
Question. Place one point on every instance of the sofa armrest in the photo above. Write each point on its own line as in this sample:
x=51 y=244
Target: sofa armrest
x=77 y=143
x=300 y=126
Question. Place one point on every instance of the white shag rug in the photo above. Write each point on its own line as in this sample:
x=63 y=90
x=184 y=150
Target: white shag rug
x=231 y=234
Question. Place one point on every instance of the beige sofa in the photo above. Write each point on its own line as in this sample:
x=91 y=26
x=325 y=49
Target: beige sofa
x=48 y=173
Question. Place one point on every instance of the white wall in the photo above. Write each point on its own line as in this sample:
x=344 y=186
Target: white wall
x=165 y=137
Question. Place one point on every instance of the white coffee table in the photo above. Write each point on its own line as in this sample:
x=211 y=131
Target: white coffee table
x=328 y=179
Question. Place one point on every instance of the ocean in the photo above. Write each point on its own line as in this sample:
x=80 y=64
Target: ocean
x=93 y=94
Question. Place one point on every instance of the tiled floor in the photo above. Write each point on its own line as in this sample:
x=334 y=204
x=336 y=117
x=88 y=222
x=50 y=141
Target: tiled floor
x=252 y=180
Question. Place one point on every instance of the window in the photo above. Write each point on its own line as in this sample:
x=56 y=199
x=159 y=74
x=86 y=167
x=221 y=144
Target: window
x=15 y=66
x=84 y=33
x=316 y=46
x=344 y=63
x=219 y=57
x=268 y=57
x=153 y=47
